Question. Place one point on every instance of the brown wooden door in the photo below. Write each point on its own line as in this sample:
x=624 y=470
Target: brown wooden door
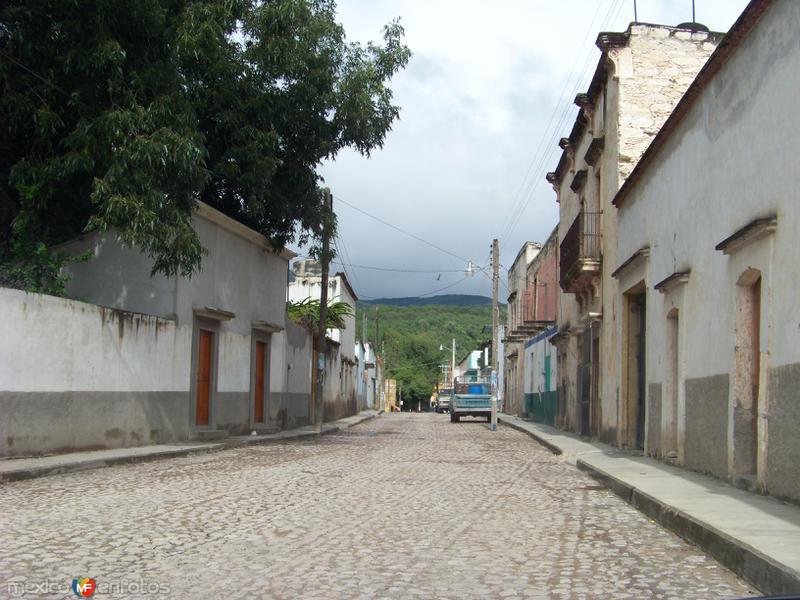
x=204 y=376
x=258 y=395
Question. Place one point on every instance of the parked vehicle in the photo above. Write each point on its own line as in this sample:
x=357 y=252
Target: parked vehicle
x=443 y=400
x=471 y=398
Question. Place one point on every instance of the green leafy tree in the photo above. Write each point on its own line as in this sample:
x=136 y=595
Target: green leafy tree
x=123 y=114
x=412 y=335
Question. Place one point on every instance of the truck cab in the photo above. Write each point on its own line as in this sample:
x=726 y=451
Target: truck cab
x=471 y=399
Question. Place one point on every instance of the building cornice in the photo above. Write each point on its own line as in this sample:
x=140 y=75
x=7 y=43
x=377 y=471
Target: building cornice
x=634 y=258
x=677 y=278
x=212 y=312
x=753 y=231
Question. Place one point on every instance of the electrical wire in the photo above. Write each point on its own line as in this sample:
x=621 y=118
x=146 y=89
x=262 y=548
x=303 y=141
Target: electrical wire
x=403 y=231
x=611 y=16
x=339 y=242
x=546 y=137
x=35 y=74
x=521 y=203
x=444 y=288
x=371 y=268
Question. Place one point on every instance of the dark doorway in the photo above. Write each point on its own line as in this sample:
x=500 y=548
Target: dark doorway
x=585 y=381
x=594 y=424
x=634 y=378
x=259 y=388
x=205 y=346
x=641 y=343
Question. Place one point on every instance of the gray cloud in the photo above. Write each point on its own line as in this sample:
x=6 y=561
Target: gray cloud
x=476 y=100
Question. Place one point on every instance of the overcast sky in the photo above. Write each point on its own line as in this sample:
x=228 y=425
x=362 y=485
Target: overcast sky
x=485 y=82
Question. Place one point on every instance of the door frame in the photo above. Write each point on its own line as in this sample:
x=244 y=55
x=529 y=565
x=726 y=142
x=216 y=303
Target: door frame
x=631 y=373
x=212 y=326
x=265 y=338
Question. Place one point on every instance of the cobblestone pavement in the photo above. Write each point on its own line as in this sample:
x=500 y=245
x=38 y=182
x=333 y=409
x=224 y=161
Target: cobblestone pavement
x=403 y=506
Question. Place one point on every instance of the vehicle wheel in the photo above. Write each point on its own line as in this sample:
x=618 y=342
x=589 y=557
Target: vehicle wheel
x=489 y=419
x=452 y=418
x=457 y=418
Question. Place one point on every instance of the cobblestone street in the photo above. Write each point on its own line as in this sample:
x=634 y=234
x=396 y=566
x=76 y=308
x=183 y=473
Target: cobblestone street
x=403 y=506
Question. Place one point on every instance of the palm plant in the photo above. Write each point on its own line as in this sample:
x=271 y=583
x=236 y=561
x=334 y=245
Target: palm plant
x=306 y=313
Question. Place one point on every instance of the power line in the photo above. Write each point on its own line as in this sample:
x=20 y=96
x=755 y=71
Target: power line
x=371 y=268
x=35 y=74
x=544 y=155
x=412 y=365
x=426 y=293
x=338 y=241
x=614 y=7
x=519 y=195
x=403 y=231
x=444 y=288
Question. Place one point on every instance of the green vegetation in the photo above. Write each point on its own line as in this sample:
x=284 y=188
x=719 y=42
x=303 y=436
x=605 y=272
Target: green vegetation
x=306 y=313
x=412 y=335
x=448 y=299
x=121 y=115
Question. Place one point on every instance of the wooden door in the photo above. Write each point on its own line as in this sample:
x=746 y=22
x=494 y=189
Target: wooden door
x=204 y=377
x=258 y=394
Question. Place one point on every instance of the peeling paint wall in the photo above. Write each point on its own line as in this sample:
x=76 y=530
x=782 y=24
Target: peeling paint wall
x=645 y=78
x=76 y=375
x=730 y=160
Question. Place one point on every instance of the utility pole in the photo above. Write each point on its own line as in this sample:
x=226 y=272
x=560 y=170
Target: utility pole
x=495 y=327
x=453 y=369
x=319 y=403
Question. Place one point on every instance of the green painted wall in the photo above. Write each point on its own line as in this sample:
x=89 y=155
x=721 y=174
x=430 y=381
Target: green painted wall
x=542 y=407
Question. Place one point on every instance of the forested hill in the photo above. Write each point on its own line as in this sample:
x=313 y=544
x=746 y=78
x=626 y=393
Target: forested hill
x=413 y=333
x=445 y=299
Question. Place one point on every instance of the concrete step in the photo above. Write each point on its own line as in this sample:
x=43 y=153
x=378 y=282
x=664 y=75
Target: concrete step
x=266 y=430
x=210 y=435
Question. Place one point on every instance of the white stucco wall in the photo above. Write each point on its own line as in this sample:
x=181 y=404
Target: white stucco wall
x=536 y=350
x=647 y=77
x=127 y=375
x=730 y=160
x=50 y=344
x=341 y=369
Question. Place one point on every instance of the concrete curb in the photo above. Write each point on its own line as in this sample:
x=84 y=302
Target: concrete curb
x=201 y=448
x=544 y=442
x=760 y=570
x=35 y=472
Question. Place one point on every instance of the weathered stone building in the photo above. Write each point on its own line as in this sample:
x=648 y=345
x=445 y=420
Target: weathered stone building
x=640 y=76
x=518 y=327
x=539 y=356
x=707 y=281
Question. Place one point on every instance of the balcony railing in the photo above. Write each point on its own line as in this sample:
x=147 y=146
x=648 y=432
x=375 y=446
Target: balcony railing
x=581 y=248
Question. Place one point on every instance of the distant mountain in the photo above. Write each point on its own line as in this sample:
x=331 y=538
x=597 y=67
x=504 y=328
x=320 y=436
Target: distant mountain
x=443 y=300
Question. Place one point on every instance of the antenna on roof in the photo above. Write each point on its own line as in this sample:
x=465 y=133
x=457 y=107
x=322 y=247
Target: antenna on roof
x=693 y=18
x=635 y=14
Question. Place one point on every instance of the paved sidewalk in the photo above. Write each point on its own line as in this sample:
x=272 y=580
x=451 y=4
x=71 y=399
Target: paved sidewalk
x=12 y=469
x=757 y=537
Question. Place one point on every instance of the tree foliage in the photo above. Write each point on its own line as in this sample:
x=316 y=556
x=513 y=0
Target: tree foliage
x=123 y=114
x=412 y=335
x=306 y=313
